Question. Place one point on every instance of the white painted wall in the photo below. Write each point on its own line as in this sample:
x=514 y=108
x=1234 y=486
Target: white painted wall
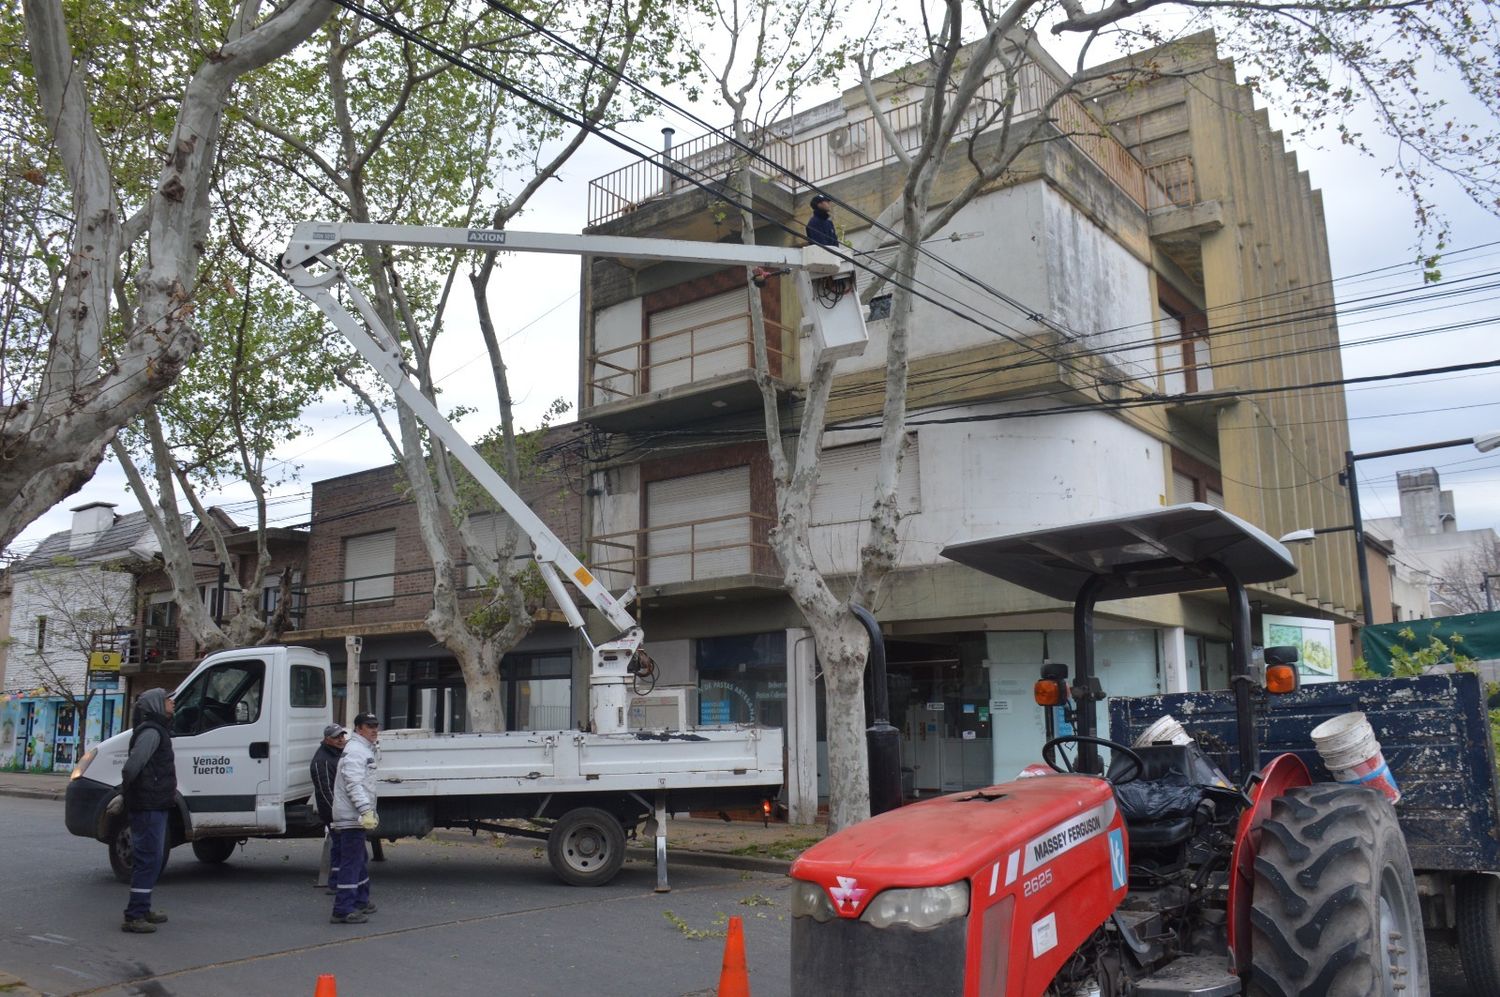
x=75 y=600
x=615 y=326
x=987 y=478
x=1030 y=243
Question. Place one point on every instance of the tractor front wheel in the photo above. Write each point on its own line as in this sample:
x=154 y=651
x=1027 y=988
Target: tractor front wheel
x=1335 y=912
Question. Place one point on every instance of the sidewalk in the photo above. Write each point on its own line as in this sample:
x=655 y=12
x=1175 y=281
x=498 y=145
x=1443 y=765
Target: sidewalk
x=739 y=844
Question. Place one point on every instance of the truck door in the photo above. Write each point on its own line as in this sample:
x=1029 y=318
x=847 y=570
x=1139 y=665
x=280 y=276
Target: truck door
x=221 y=736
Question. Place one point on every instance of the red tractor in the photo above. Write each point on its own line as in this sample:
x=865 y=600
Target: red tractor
x=1155 y=876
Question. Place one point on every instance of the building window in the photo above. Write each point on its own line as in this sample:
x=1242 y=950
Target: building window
x=1186 y=363
x=742 y=679
x=41 y=634
x=212 y=597
x=369 y=564
x=538 y=691
x=1195 y=481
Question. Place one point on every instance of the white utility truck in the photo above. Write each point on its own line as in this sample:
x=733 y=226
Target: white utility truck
x=249 y=720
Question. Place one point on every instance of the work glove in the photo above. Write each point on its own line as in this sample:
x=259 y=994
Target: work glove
x=368 y=820
x=116 y=807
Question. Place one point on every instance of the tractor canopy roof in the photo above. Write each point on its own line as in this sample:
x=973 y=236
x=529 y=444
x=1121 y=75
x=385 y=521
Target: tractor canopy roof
x=1150 y=553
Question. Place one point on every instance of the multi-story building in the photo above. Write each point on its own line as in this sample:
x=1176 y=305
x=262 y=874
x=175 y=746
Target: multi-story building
x=162 y=651
x=1432 y=551
x=1178 y=255
x=369 y=576
x=72 y=600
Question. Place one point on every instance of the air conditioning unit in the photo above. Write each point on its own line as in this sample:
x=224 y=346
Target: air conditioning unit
x=850 y=140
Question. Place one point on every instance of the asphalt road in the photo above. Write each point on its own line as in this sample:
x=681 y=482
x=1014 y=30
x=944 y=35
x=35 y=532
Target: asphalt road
x=454 y=918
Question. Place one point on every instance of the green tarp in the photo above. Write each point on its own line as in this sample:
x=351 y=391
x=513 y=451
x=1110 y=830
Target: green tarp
x=1480 y=633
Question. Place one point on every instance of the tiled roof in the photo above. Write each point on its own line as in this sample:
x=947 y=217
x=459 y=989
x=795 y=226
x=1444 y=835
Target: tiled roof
x=126 y=532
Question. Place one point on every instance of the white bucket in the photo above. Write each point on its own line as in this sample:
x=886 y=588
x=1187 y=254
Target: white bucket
x=1165 y=730
x=1348 y=747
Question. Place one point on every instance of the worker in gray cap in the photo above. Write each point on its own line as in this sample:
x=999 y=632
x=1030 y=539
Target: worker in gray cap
x=324 y=767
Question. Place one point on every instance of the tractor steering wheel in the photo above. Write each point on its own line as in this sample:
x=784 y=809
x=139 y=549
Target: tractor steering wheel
x=1049 y=755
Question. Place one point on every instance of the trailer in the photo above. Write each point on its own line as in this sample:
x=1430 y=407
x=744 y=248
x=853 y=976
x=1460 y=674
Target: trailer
x=1434 y=731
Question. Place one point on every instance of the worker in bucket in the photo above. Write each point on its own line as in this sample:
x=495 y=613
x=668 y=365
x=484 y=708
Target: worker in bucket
x=149 y=788
x=820 y=231
x=353 y=818
x=324 y=769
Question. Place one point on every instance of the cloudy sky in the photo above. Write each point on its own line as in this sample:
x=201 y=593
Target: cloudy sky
x=1371 y=236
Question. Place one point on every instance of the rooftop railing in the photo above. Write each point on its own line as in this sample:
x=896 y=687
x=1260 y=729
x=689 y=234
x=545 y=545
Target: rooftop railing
x=858 y=143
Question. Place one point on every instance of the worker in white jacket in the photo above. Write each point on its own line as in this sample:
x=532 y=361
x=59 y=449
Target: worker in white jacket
x=353 y=818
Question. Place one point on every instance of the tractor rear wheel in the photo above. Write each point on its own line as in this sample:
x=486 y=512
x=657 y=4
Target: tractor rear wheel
x=1479 y=932
x=1335 y=912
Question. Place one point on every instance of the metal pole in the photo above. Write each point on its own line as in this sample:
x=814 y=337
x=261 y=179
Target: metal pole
x=882 y=741
x=1083 y=673
x=352 y=647
x=1352 y=483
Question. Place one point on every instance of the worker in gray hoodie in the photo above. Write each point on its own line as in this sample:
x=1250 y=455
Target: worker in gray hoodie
x=149 y=784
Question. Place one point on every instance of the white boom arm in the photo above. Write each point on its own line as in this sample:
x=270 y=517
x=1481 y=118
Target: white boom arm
x=313 y=245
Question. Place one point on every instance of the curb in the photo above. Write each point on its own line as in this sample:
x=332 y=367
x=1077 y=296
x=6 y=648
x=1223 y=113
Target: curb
x=31 y=794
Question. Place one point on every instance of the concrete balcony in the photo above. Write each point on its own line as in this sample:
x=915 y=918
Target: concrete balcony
x=702 y=372
x=711 y=559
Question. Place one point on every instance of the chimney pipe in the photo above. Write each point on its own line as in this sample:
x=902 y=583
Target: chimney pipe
x=666 y=152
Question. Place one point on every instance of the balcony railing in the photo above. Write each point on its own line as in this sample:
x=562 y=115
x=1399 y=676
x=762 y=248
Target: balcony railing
x=1171 y=184
x=687 y=356
x=700 y=550
x=859 y=144
x=395 y=597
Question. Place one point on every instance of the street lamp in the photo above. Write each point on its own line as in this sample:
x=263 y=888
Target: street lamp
x=1483 y=443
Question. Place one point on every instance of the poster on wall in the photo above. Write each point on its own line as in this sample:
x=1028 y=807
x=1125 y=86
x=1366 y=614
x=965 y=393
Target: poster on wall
x=1313 y=640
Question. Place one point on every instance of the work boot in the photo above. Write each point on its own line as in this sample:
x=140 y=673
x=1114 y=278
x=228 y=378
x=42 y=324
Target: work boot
x=353 y=917
x=368 y=908
x=137 y=926
x=156 y=916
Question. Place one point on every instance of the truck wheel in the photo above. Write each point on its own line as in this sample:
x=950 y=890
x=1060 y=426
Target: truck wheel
x=1335 y=902
x=214 y=851
x=120 y=861
x=586 y=847
x=1479 y=932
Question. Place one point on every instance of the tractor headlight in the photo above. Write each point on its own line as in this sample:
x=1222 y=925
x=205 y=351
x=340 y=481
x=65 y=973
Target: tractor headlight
x=921 y=909
x=811 y=900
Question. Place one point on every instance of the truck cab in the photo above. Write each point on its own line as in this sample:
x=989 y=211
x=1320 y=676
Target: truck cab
x=246 y=725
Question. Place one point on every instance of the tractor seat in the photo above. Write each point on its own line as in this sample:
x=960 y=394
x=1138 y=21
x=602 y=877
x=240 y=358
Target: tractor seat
x=1161 y=805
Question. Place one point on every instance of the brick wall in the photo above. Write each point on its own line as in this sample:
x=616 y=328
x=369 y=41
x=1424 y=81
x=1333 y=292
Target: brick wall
x=374 y=501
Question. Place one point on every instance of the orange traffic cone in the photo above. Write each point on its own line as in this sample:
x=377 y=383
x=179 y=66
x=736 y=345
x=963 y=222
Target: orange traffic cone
x=734 y=978
x=327 y=986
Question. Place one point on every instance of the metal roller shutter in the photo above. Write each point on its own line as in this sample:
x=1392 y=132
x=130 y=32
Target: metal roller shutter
x=699 y=526
x=371 y=554
x=697 y=341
